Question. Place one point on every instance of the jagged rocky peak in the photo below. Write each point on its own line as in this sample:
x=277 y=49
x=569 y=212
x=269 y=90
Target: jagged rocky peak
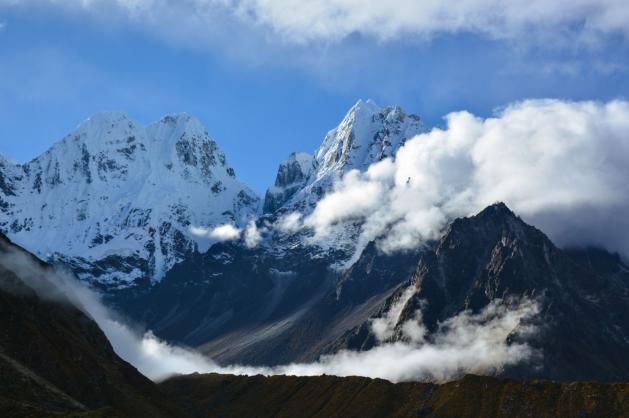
x=493 y=222
x=291 y=176
x=367 y=134
x=130 y=194
x=495 y=227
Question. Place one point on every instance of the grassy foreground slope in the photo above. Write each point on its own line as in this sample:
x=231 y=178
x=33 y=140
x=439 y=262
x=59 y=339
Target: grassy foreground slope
x=213 y=395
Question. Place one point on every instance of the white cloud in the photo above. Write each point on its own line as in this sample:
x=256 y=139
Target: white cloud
x=325 y=20
x=333 y=19
x=227 y=232
x=563 y=166
x=355 y=197
x=253 y=235
x=384 y=327
x=289 y=223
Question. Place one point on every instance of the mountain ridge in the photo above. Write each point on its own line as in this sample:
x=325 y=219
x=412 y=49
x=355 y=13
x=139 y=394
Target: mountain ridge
x=495 y=255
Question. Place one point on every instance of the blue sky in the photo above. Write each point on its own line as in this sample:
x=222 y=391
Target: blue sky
x=265 y=84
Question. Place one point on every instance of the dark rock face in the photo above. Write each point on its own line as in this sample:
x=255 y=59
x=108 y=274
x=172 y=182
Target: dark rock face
x=55 y=359
x=291 y=177
x=583 y=324
x=226 y=289
x=246 y=306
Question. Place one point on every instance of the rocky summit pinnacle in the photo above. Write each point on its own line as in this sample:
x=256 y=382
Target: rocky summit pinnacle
x=367 y=134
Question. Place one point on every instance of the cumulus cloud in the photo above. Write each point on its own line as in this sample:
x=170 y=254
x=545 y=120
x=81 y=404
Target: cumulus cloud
x=562 y=166
x=251 y=233
x=325 y=20
x=226 y=232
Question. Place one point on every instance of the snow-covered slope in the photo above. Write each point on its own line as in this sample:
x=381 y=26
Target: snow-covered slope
x=116 y=199
x=367 y=134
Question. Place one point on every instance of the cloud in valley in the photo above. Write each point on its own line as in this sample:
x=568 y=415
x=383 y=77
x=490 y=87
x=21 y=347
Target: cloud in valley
x=466 y=343
x=251 y=234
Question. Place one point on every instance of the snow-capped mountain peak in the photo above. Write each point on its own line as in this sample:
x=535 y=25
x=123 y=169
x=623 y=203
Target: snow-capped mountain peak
x=367 y=134
x=173 y=126
x=114 y=193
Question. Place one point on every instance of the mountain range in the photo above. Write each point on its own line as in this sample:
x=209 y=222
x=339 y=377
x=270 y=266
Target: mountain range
x=55 y=361
x=136 y=212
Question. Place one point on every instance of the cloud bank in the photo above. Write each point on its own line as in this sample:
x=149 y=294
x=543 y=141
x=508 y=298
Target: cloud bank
x=226 y=232
x=331 y=20
x=563 y=166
